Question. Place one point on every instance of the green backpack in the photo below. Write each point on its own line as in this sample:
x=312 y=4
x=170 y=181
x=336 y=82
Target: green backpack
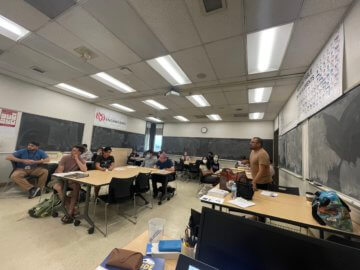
x=43 y=209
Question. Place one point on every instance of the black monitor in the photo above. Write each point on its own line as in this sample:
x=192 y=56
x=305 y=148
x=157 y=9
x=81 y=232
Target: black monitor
x=232 y=242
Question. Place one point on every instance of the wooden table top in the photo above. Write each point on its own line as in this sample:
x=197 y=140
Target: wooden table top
x=139 y=245
x=284 y=206
x=101 y=178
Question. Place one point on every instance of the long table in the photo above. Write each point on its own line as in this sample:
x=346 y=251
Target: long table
x=291 y=209
x=102 y=178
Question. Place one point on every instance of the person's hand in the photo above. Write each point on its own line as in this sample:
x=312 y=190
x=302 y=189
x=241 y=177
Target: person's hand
x=29 y=161
x=254 y=186
x=110 y=169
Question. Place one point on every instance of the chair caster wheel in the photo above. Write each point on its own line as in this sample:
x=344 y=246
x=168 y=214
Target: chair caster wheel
x=91 y=230
x=77 y=222
x=55 y=214
x=168 y=198
x=159 y=203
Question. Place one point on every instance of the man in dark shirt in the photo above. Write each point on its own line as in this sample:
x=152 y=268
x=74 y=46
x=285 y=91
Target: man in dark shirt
x=163 y=163
x=27 y=161
x=104 y=162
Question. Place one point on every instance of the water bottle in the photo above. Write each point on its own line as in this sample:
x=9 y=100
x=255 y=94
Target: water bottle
x=233 y=191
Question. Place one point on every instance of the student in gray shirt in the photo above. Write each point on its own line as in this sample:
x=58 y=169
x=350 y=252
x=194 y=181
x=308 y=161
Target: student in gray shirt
x=150 y=160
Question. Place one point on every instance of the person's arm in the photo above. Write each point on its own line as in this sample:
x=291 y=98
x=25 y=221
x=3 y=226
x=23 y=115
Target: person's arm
x=261 y=173
x=82 y=165
x=206 y=173
x=61 y=166
x=97 y=166
x=112 y=165
x=15 y=159
x=171 y=169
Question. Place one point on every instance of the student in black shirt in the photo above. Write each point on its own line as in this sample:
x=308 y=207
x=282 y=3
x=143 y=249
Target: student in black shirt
x=215 y=164
x=104 y=162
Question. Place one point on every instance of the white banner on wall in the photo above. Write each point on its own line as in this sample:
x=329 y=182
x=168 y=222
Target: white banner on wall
x=110 y=119
x=322 y=83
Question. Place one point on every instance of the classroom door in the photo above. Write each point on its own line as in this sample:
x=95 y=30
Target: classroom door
x=276 y=157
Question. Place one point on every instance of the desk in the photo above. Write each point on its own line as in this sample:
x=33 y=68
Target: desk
x=139 y=245
x=99 y=178
x=291 y=209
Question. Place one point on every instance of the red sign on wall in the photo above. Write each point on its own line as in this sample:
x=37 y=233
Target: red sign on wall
x=8 y=118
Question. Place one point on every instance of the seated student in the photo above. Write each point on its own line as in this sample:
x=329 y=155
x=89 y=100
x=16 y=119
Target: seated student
x=99 y=152
x=131 y=157
x=243 y=162
x=185 y=157
x=87 y=155
x=215 y=165
x=27 y=161
x=70 y=163
x=150 y=160
x=105 y=162
x=207 y=173
x=163 y=163
x=210 y=157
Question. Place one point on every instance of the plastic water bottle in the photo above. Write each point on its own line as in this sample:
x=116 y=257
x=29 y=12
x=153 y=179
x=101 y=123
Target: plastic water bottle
x=233 y=191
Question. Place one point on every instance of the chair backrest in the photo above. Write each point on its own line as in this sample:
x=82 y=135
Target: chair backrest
x=120 y=189
x=142 y=182
x=193 y=168
x=13 y=164
x=287 y=190
x=179 y=166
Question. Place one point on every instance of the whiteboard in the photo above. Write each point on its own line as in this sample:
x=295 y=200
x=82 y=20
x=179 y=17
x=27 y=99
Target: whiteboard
x=322 y=83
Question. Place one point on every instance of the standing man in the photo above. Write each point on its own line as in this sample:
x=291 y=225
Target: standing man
x=87 y=155
x=27 y=161
x=104 y=162
x=70 y=163
x=259 y=164
x=163 y=163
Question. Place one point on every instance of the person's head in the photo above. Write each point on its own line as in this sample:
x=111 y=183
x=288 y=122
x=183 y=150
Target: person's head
x=204 y=160
x=256 y=143
x=149 y=154
x=107 y=152
x=33 y=146
x=210 y=155
x=77 y=150
x=216 y=158
x=163 y=157
x=85 y=146
x=99 y=150
x=185 y=153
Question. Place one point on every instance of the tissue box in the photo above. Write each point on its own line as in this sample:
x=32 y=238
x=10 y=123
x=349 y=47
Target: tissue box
x=152 y=249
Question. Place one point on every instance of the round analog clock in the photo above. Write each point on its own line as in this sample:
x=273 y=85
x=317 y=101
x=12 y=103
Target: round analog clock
x=204 y=130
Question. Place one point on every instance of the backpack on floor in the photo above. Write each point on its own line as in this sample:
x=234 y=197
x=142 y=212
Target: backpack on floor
x=329 y=209
x=43 y=209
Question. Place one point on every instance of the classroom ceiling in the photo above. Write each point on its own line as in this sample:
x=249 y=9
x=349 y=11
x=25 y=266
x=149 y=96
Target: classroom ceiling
x=210 y=48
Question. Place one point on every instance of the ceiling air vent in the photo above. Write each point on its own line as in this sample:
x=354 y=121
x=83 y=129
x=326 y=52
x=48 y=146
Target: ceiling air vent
x=200 y=116
x=212 y=6
x=240 y=114
x=37 y=69
x=85 y=53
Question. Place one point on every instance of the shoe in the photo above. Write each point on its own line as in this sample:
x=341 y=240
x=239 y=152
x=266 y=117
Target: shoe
x=34 y=192
x=155 y=195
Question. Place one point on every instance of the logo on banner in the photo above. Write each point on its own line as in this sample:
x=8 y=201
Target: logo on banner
x=109 y=119
x=100 y=116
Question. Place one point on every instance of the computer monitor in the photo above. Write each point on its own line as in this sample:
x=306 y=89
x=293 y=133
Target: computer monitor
x=232 y=242
x=187 y=263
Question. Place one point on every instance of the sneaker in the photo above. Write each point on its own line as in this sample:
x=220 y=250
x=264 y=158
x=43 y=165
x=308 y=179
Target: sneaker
x=34 y=192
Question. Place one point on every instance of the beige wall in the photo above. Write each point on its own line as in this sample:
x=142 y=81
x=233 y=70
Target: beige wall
x=241 y=130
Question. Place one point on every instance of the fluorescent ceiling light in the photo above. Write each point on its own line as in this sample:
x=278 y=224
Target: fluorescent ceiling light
x=214 y=117
x=256 y=115
x=266 y=48
x=154 y=119
x=259 y=95
x=122 y=107
x=112 y=82
x=198 y=100
x=75 y=90
x=169 y=69
x=154 y=104
x=181 y=118
x=11 y=29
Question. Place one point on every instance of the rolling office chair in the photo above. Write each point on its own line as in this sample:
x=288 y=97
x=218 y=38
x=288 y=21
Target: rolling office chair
x=141 y=186
x=194 y=170
x=120 y=191
x=179 y=169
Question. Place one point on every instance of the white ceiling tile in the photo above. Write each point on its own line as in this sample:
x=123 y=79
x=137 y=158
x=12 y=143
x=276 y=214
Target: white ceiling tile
x=216 y=98
x=122 y=20
x=227 y=57
x=63 y=38
x=25 y=58
x=274 y=107
x=6 y=43
x=288 y=81
x=311 y=7
x=262 y=75
x=240 y=108
x=181 y=101
x=309 y=36
x=82 y=24
x=22 y=13
x=47 y=48
x=258 y=107
x=219 y=25
x=293 y=71
x=170 y=21
x=194 y=61
x=130 y=80
x=282 y=93
x=233 y=79
x=236 y=97
x=144 y=72
x=262 y=14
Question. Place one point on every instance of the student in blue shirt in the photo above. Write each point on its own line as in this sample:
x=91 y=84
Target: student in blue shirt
x=163 y=163
x=27 y=161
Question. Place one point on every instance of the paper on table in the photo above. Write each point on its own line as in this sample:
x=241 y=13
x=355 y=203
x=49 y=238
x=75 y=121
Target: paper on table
x=211 y=199
x=131 y=167
x=269 y=193
x=242 y=202
x=119 y=169
x=65 y=174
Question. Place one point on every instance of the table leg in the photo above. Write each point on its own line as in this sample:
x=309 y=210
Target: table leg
x=85 y=215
